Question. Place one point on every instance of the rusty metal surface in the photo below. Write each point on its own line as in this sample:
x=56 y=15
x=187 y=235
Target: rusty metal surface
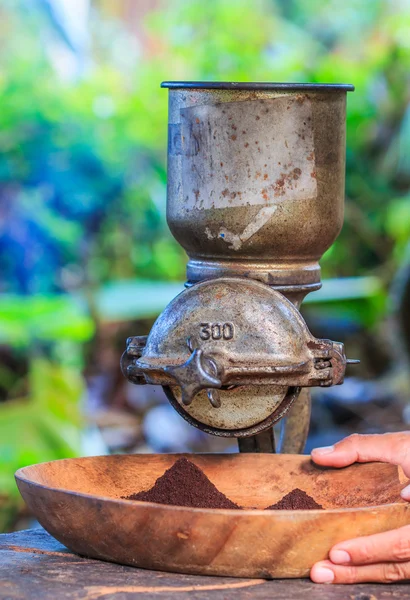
x=295 y=426
x=233 y=332
x=255 y=197
x=256 y=181
x=263 y=442
x=252 y=334
x=258 y=85
x=233 y=421
x=241 y=407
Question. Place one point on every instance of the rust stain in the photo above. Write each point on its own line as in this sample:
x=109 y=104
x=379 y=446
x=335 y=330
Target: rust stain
x=225 y=192
x=197 y=120
x=311 y=156
x=234 y=127
x=233 y=137
x=265 y=176
x=246 y=145
x=285 y=178
x=196 y=194
x=313 y=174
x=98 y=591
x=257 y=117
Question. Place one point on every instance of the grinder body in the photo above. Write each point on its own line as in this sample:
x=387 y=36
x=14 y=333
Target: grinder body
x=255 y=197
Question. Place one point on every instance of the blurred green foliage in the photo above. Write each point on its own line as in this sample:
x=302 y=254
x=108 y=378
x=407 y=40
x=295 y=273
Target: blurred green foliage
x=42 y=425
x=43 y=319
x=83 y=168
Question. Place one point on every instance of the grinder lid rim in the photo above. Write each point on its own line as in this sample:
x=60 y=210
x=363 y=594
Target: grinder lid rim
x=262 y=85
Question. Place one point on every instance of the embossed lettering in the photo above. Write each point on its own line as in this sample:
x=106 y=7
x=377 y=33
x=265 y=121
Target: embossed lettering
x=228 y=331
x=217 y=331
x=205 y=332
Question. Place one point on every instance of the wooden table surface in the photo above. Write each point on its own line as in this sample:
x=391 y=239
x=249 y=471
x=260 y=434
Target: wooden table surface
x=35 y=566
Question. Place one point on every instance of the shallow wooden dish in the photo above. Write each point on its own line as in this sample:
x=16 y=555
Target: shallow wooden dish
x=79 y=502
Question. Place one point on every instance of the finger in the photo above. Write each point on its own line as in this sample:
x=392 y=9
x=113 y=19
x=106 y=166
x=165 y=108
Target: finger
x=388 y=447
x=391 y=546
x=326 y=572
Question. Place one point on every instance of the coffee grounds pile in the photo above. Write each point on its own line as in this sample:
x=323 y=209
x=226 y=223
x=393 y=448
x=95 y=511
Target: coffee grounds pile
x=184 y=484
x=296 y=500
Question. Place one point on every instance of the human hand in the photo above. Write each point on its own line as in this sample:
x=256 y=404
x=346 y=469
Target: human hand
x=383 y=557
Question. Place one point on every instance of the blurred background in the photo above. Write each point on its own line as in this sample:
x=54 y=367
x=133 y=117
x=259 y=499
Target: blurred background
x=85 y=255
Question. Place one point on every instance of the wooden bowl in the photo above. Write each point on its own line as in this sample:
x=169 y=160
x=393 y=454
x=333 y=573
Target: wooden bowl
x=79 y=502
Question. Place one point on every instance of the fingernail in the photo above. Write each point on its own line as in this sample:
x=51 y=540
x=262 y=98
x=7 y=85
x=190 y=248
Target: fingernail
x=405 y=493
x=323 y=575
x=339 y=557
x=323 y=450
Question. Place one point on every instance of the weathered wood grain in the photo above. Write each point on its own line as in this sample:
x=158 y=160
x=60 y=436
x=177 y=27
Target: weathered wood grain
x=34 y=566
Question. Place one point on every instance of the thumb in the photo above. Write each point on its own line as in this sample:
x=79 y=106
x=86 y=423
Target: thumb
x=388 y=447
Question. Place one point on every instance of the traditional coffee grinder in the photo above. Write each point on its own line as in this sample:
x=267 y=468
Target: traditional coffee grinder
x=255 y=197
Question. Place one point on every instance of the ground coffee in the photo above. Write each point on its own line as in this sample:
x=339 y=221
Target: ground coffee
x=296 y=500
x=184 y=484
